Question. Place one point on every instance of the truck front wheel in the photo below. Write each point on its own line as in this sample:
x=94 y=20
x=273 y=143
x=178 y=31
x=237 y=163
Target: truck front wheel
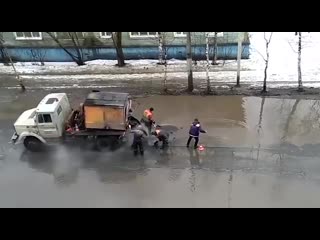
x=33 y=144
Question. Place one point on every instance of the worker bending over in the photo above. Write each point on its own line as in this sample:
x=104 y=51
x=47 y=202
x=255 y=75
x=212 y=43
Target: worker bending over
x=138 y=134
x=162 y=136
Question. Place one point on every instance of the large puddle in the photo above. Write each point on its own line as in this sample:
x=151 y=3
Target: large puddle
x=263 y=147
x=239 y=121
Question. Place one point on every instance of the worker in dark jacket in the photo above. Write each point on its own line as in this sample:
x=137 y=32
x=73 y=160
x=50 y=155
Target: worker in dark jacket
x=132 y=121
x=138 y=136
x=194 y=132
x=162 y=136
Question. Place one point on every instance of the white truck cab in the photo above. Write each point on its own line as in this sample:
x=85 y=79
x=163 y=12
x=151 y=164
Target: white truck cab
x=40 y=125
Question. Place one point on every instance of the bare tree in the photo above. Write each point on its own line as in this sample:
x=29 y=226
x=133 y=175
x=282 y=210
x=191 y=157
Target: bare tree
x=189 y=63
x=117 y=41
x=163 y=43
x=165 y=87
x=299 y=53
x=6 y=55
x=239 y=59
x=300 y=86
x=215 y=49
x=78 y=57
x=161 y=51
x=266 y=60
x=208 y=63
x=165 y=53
x=289 y=119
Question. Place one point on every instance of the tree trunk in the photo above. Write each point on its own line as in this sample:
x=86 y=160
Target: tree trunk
x=239 y=59
x=23 y=88
x=165 y=76
x=215 y=49
x=189 y=62
x=117 y=40
x=208 y=63
x=300 y=88
x=77 y=47
x=264 y=90
x=165 y=88
x=160 y=38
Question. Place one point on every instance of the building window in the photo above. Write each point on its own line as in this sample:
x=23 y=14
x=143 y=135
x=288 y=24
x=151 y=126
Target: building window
x=105 y=34
x=28 y=35
x=220 y=34
x=180 y=34
x=184 y=34
x=69 y=35
x=143 y=34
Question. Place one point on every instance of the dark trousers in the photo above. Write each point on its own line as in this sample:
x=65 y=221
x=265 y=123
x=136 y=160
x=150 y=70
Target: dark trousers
x=149 y=126
x=165 y=143
x=196 y=141
x=137 y=147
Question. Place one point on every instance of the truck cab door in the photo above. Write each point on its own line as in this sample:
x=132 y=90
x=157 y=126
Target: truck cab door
x=46 y=126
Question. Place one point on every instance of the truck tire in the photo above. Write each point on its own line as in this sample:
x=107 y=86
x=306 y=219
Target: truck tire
x=33 y=144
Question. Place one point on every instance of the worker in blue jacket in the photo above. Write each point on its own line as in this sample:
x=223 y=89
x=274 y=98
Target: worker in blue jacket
x=194 y=132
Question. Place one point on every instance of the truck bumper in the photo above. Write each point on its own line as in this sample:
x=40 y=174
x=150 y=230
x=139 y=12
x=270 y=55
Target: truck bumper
x=14 y=138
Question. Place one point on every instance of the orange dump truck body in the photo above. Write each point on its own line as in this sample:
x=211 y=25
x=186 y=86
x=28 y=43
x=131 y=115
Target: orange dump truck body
x=107 y=110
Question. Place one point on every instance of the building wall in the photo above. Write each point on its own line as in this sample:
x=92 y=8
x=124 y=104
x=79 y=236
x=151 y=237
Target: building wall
x=96 y=47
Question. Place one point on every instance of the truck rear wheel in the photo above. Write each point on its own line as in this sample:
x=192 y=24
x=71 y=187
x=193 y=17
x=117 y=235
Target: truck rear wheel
x=33 y=144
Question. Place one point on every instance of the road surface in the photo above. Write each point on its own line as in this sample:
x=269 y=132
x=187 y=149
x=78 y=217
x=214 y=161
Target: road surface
x=258 y=153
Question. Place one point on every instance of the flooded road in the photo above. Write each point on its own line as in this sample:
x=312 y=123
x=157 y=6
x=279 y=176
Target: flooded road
x=259 y=153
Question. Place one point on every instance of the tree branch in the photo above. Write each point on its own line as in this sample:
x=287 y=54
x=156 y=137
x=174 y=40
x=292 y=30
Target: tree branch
x=52 y=35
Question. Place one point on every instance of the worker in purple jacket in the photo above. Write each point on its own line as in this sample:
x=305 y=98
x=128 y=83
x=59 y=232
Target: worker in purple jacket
x=194 y=132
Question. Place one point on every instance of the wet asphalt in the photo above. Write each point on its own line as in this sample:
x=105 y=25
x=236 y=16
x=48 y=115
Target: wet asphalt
x=258 y=153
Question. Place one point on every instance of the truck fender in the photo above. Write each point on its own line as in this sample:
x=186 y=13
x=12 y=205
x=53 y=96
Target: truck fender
x=24 y=135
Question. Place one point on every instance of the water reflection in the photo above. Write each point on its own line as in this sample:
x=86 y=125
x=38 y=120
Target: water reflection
x=246 y=134
x=65 y=165
x=194 y=158
x=2 y=153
